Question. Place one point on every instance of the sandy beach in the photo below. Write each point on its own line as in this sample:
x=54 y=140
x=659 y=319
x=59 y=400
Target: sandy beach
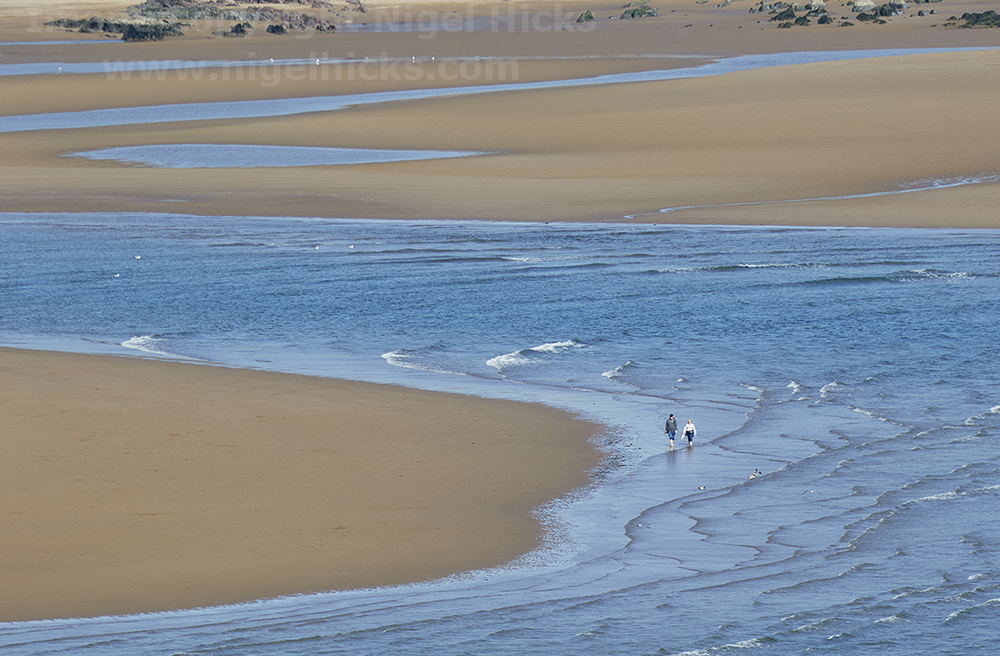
x=134 y=485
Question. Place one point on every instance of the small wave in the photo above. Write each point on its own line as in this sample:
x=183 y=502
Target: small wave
x=815 y=626
x=752 y=643
x=976 y=419
x=557 y=347
x=827 y=390
x=797 y=388
x=989 y=605
x=529 y=355
x=414 y=360
x=776 y=265
x=913 y=275
x=539 y=258
x=676 y=270
x=151 y=344
x=737 y=267
x=401 y=359
x=620 y=372
x=873 y=415
x=892 y=619
x=929 y=274
x=944 y=496
x=853 y=280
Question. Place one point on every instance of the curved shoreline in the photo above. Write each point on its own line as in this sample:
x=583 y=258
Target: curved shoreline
x=138 y=485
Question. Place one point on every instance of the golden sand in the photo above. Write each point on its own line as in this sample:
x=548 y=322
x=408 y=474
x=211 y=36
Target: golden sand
x=134 y=485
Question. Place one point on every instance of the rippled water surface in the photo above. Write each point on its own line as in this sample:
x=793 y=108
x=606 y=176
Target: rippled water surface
x=855 y=368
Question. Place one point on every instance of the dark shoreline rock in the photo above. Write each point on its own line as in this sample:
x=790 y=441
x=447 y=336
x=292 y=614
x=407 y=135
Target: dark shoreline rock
x=642 y=11
x=131 y=29
x=212 y=10
x=147 y=32
x=983 y=19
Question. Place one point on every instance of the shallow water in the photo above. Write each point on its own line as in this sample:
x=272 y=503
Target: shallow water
x=271 y=72
x=190 y=156
x=856 y=368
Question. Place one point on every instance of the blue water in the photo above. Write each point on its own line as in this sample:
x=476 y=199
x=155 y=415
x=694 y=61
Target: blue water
x=188 y=156
x=856 y=368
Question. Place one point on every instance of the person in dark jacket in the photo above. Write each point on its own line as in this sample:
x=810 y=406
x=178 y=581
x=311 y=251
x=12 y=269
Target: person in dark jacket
x=671 y=430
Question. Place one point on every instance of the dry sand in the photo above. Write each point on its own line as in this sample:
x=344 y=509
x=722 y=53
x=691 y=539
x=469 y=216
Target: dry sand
x=133 y=485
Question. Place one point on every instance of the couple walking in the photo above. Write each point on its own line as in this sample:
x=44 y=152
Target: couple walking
x=671 y=430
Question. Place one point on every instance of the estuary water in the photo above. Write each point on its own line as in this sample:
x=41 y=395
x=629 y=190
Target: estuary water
x=856 y=369
x=267 y=72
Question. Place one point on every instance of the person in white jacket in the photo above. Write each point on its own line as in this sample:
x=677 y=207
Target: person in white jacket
x=689 y=432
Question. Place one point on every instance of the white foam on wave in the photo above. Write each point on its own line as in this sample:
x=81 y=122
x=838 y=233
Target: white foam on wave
x=778 y=265
x=149 y=344
x=557 y=347
x=975 y=420
x=944 y=496
x=554 y=258
x=827 y=390
x=619 y=373
x=409 y=360
x=524 y=356
x=508 y=360
x=920 y=275
x=959 y=614
x=399 y=359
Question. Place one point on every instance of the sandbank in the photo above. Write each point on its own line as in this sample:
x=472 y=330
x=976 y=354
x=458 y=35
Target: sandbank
x=133 y=485
x=734 y=149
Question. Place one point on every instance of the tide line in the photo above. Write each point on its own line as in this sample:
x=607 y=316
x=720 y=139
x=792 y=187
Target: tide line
x=919 y=186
